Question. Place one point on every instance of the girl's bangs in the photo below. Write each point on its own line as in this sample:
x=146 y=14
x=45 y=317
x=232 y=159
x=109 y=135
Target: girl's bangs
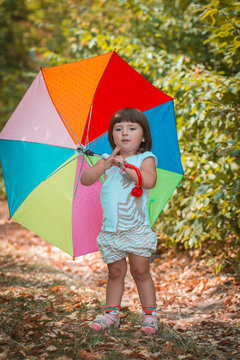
x=127 y=116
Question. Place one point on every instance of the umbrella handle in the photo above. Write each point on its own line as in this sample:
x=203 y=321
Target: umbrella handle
x=137 y=190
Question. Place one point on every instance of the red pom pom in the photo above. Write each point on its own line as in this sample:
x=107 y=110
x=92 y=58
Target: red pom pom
x=137 y=191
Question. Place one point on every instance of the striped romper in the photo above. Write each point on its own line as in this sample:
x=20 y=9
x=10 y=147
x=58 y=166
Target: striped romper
x=125 y=227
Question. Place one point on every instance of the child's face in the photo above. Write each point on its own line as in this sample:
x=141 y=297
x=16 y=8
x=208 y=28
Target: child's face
x=128 y=136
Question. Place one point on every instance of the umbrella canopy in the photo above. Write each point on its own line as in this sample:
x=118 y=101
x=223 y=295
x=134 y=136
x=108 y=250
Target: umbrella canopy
x=66 y=109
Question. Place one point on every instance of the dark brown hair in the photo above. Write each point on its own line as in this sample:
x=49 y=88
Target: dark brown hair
x=135 y=116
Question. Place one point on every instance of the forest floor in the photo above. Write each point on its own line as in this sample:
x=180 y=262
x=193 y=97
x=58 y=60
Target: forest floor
x=47 y=302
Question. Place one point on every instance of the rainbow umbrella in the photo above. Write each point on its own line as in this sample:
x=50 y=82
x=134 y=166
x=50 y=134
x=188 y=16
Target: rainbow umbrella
x=46 y=144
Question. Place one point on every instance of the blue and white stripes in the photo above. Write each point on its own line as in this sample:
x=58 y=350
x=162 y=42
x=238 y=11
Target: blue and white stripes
x=140 y=240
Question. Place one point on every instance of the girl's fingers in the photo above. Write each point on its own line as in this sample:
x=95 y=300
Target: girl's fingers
x=109 y=162
x=118 y=160
x=116 y=150
x=111 y=159
x=114 y=153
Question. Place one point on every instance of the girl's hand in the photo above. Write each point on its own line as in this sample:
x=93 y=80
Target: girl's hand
x=119 y=161
x=92 y=174
x=148 y=171
x=111 y=160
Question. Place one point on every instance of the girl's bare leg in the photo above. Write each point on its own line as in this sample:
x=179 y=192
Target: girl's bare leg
x=140 y=270
x=115 y=286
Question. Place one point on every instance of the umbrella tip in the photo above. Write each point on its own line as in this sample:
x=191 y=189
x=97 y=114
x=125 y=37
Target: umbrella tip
x=9 y=218
x=73 y=258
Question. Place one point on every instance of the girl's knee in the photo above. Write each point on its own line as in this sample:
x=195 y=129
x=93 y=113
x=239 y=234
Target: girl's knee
x=140 y=274
x=117 y=271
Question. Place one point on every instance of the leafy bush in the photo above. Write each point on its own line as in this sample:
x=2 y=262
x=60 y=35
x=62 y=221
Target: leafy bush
x=206 y=204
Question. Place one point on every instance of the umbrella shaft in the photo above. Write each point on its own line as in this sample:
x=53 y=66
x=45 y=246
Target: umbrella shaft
x=90 y=153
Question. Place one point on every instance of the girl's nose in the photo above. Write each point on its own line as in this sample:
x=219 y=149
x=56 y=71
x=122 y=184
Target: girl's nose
x=125 y=130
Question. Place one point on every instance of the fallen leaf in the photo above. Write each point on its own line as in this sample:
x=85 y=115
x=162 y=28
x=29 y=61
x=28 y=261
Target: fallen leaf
x=58 y=288
x=168 y=347
x=228 y=300
x=84 y=355
x=51 y=348
x=3 y=355
x=73 y=316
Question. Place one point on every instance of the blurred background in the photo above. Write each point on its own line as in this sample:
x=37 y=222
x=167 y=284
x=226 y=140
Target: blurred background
x=188 y=49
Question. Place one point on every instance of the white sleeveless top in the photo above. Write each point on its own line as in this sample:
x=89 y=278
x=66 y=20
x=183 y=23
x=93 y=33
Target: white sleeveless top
x=121 y=210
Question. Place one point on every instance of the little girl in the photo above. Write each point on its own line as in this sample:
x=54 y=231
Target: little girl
x=125 y=229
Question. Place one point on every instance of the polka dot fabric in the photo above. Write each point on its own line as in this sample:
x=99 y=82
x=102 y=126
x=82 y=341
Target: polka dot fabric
x=38 y=147
x=36 y=120
x=72 y=88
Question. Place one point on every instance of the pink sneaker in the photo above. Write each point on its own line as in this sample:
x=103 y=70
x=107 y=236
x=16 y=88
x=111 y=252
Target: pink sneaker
x=150 y=324
x=104 y=322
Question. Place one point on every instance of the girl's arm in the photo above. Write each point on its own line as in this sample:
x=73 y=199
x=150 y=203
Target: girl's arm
x=149 y=173
x=92 y=174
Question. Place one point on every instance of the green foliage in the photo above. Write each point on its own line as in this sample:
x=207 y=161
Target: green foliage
x=189 y=49
x=224 y=27
x=206 y=204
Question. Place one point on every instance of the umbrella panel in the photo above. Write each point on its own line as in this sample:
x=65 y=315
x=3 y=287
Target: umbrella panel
x=47 y=211
x=35 y=119
x=72 y=87
x=167 y=182
x=87 y=213
x=25 y=165
x=120 y=86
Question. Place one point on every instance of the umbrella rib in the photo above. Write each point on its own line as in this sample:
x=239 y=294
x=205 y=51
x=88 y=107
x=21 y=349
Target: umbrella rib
x=89 y=122
x=78 y=179
x=61 y=167
x=90 y=115
x=81 y=153
x=65 y=121
x=100 y=138
x=88 y=154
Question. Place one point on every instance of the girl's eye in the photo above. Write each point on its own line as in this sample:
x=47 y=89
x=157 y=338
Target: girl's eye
x=132 y=128
x=118 y=129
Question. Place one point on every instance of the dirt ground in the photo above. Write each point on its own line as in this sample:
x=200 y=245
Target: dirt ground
x=191 y=298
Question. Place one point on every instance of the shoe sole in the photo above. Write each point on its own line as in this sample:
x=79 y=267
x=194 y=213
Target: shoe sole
x=98 y=328
x=148 y=330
